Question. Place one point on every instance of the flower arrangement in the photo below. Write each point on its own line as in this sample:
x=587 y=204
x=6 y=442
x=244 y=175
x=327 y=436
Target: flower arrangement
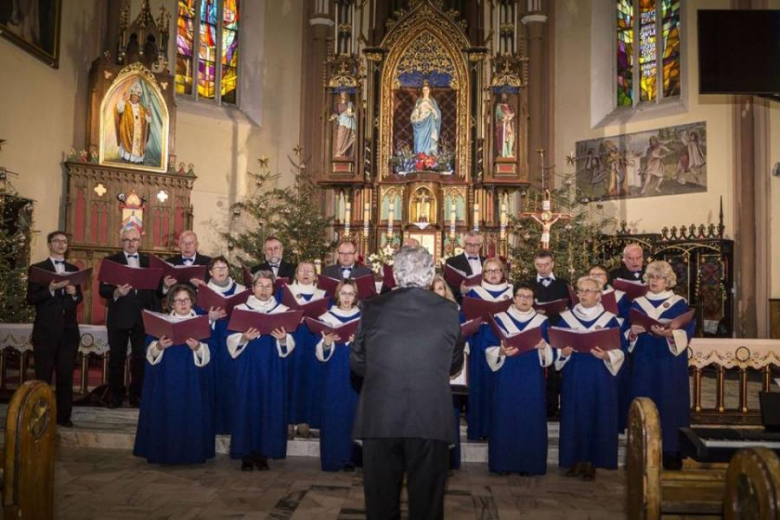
x=381 y=258
x=405 y=161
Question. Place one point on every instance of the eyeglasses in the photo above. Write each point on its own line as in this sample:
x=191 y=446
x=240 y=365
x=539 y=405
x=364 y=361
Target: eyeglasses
x=305 y=271
x=346 y=253
x=524 y=296
x=273 y=248
x=473 y=244
x=182 y=301
x=219 y=268
x=133 y=240
x=586 y=291
x=59 y=241
x=342 y=293
x=493 y=271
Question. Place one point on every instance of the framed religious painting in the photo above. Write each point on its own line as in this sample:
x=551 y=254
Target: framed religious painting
x=33 y=25
x=134 y=122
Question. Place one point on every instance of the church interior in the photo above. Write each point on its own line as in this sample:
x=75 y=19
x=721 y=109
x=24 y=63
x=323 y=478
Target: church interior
x=582 y=127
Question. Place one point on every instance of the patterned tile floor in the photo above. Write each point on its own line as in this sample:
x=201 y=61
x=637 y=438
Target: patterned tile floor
x=112 y=484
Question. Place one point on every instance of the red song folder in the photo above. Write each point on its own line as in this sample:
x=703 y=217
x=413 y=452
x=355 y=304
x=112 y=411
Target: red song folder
x=522 y=341
x=159 y=325
x=44 y=277
x=114 y=273
x=388 y=278
x=278 y=284
x=609 y=302
x=640 y=318
x=552 y=308
x=633 y=290
x=476 y=308
x=365 y=285
x=469 y=328
x=208 y=298
x=182 y=273
x=344 y=332
x=585 y=341
x=312 y=309
x=242 y=320
x=455 y=277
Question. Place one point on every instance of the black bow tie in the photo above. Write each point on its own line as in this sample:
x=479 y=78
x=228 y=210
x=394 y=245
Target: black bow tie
x=473 y=258
x=132 y=256
x=59 y=261
x=274 y=266
x=188 y=260
x=547 y=279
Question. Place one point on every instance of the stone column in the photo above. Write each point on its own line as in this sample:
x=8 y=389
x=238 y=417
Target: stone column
x=538 y=89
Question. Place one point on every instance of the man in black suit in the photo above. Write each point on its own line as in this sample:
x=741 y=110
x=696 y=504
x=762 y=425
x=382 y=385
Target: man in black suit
x=345 y=266
x=470 y=261
x=55 y=335
x=274 y=260
x=406 y=347
x=188 y=245
x=633 y=265
x=548 y=288
x=124 y=322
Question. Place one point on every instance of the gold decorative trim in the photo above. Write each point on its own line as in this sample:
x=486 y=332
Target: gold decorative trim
x=425 y=18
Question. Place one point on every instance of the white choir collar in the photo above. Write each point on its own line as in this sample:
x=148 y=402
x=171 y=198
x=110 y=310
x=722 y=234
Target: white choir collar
x=519 y=315
x=351 y=313
x=664 y=295
x=220 y=288
x=256 y=305
x=503 y=286
x=176 y=317
x=299 y=288
x=588 y=314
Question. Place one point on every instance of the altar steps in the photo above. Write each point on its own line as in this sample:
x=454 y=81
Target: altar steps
x=103 y=428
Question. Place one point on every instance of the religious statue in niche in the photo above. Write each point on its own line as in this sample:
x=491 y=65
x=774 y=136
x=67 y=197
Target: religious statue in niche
x=505 y=127
x=423 y=207
x=346 y=126
x=134 y=123
x=426 y=122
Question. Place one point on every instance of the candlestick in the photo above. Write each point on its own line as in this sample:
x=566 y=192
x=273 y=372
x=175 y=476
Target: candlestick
x=347 y=218
x=366 y=213
x=390 y=215
x=503 y=222
x=453 y=219
x=476 y=216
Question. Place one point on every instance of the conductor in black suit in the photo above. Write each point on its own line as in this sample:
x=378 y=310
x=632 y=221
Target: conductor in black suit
x=406 y=347
x=124 y=322
x=633 y=265
x=273 y=249
x=188 y=245
x=470 y=261
x=548 y=288
x=55 y=335
x=346 y=266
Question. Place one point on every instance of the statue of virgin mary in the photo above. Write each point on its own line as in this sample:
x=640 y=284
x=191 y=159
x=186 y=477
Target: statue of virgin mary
x=426 y=122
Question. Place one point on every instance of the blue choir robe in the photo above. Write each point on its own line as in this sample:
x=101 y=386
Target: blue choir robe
x=175 y=423
x=222 y=367
x=589 y=401
x=480 y=380
x=304 y=377
x=339 y=397
x=518 y=422
x=260 y=395
x=660 y=366
x=624 y=376
x=457 y=400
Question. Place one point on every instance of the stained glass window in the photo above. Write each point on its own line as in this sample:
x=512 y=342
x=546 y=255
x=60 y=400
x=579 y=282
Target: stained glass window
x=648 y=34
x=625 y=53
x=208 y=61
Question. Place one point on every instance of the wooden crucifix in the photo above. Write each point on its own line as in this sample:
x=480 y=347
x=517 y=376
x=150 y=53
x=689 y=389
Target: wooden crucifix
x=545 y=217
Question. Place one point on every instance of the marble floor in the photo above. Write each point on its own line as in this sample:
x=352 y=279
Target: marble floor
x=112 y=484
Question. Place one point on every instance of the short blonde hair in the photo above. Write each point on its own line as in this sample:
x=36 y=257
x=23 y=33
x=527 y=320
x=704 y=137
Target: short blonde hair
x=661 y=269
x=582 y=280
x=498 y=262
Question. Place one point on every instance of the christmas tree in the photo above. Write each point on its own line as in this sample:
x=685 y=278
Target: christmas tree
x=573 y=240
x=292 y=214
x=15 y=229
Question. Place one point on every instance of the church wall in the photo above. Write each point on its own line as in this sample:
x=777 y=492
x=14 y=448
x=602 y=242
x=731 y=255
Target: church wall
x=43 y=114
x=225 y=143
x=573 y=66
x=774 y=158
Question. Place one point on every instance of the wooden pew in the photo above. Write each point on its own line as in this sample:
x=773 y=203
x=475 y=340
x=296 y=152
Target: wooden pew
x=28 y=461
x=652 y=492
x=753 y=486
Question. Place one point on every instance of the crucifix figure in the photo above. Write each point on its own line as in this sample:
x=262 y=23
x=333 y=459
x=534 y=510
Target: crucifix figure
x=546 y=217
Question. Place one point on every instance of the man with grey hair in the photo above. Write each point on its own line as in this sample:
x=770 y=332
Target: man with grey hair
x=633 y=265
x=406 y=347
x=470 y=261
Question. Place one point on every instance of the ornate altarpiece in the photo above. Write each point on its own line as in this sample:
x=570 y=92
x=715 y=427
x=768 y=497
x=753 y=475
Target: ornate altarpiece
x=440 y=129
x=106 y=195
